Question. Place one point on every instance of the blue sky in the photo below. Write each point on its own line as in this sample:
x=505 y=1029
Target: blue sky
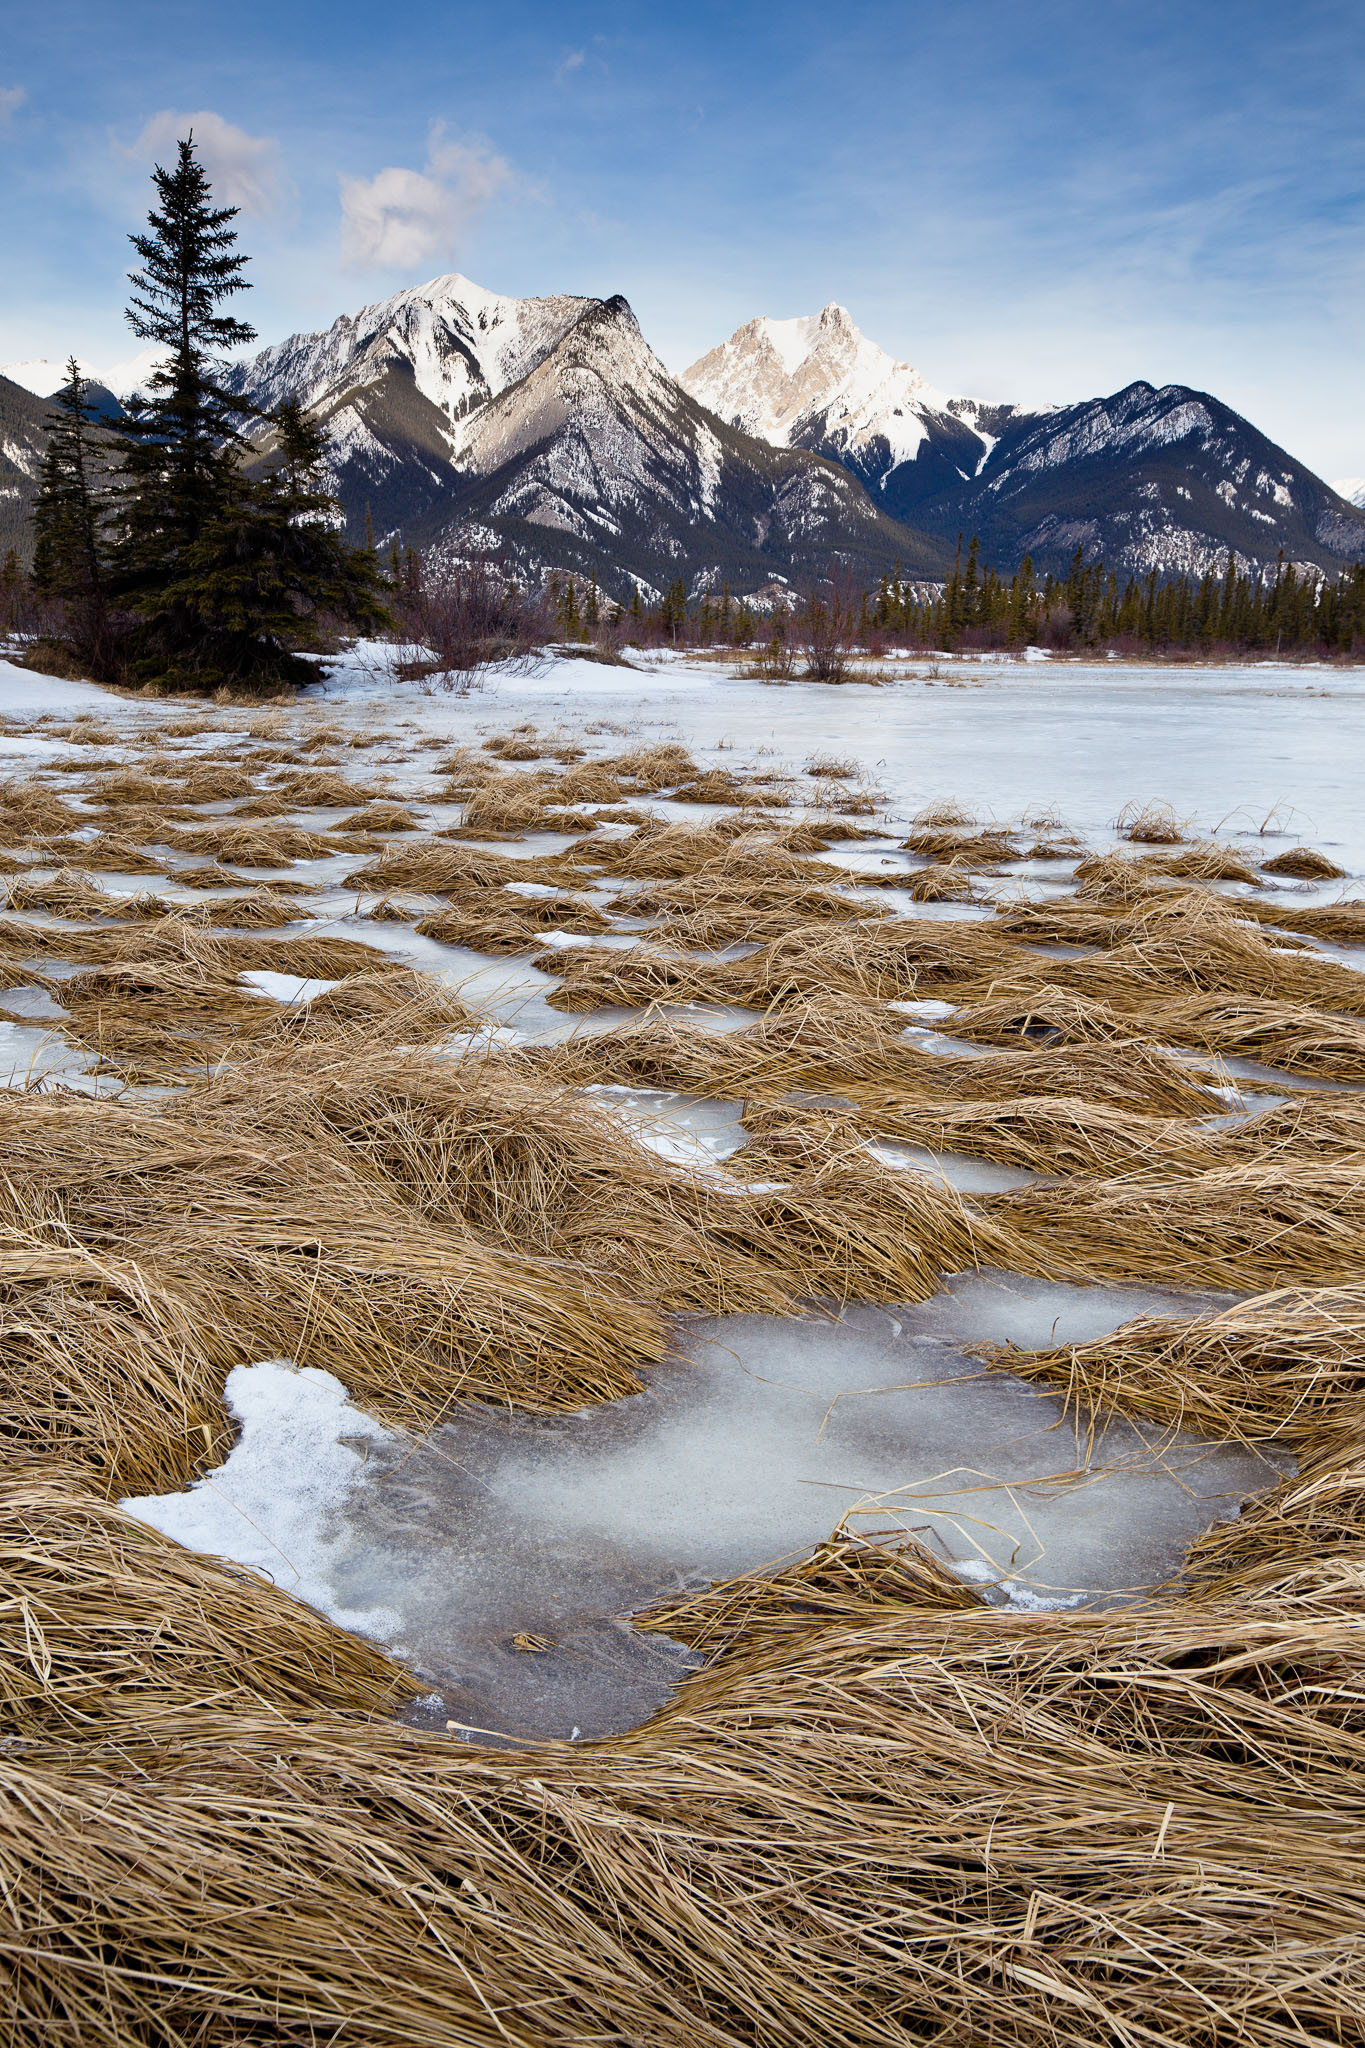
x=1033 y=202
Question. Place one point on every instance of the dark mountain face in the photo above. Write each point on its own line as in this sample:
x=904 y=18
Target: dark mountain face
x=1170 y=480
x=23 y=436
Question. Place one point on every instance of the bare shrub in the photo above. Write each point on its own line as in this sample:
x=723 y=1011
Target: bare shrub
x=466 y=616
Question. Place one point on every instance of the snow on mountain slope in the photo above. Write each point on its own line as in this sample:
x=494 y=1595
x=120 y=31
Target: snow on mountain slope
x=774 y=378
x=817 y=382
x=1352 y=488
x=461 y=345
x=549 y=427
x=45 y=379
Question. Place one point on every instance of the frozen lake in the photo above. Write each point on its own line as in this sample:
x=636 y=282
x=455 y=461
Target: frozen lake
x=1233 y=745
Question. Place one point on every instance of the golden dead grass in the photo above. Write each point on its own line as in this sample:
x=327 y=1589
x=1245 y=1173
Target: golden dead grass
x=162 y=1000
x=968 y=849
x=258 y=846
x=440 y=868
x=887 y=1812
x=115 y=1622
x=1271 y=1367
x=1344 y=922
x=511 y=924
x=889 y=1815
x=30 y=810
x=1255 y=1224
x=1153 y=824
x=1304 y=863
x=845 y=1049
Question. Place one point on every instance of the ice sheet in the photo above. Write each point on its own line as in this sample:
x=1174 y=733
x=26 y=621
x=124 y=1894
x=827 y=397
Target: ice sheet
x=750 y=1448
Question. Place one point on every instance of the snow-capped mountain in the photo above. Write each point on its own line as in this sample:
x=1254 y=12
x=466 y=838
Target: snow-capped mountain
x=546 y=427
x=551 y=427
x=819 y=383
x=44 y=378
x=1167 y=479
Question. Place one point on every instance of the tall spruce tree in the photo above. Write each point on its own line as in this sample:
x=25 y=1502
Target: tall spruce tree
x=180 y=439
x=70 y=517
x=228 y=572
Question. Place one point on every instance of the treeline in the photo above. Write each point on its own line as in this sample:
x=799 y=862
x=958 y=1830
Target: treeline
x=159 y=559
x=1281 y=610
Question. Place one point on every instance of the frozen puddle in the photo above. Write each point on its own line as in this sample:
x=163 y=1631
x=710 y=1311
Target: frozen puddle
x=550 y=1528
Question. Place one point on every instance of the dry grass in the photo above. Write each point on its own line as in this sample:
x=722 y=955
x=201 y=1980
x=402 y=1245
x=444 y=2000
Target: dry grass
x=381 y=816
x=1257 y=1224
x=1151 y=824
x=1204 y=860
x=257 y=846
x=646 y=770
x=842 y=1048
x=163 y=1000
x=1344 y=922
x=898 y=1821
x=510 y=923
x=1275 y=1366
x=887 y=1813
x=968 y=849
x=30 y=810
x=1304 y=863
x=1292 y=1036
x=437 y=867
x=115 y=1623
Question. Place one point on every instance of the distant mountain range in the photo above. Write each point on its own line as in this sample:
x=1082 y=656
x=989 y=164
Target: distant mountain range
x=547 y=429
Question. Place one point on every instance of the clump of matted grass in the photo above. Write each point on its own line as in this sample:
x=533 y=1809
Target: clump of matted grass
x=1344 y=922
x=150 y=1251
x=1204 y=860
x=511 y=924
x=30 y=810
x=844 y=1048
x=985 y=849
x=439 y=868
x=1303 y=863
x=115 y=1622
x=164 y=999
x=1152 y=824
x=1256 y=1224
x=382 y=816
x=1274 y=1366
x=886 y=1820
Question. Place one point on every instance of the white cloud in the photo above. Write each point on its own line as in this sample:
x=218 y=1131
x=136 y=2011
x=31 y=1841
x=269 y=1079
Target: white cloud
x=574 y=61
x=400 y=218
x=244 y=170
x=12 y=97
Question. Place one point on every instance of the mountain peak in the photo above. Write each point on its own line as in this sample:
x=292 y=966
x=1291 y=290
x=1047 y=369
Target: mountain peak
x=817 y=382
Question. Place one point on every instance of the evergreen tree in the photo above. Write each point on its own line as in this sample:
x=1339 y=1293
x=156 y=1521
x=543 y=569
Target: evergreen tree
x=271 y=571
x=673 y=610
x=226 y=573
x=180 y=441
x=13 y=591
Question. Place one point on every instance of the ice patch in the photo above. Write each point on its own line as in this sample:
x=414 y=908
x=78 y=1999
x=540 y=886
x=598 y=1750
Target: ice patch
x=285 y=988
x=748 y=1449
x=296 y=1464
